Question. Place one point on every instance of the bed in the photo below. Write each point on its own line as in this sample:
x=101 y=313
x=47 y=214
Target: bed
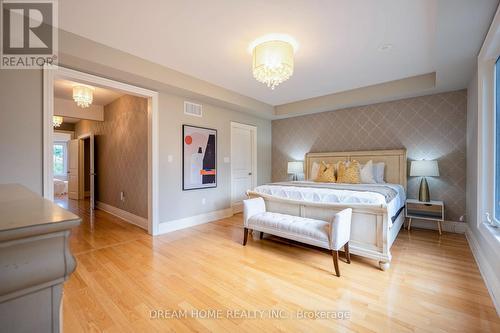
x=377 y=208
x=60 y=187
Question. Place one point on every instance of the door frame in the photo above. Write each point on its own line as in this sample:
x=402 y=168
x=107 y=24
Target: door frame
x=90 y=136
x=253 y=129
x=49 y=76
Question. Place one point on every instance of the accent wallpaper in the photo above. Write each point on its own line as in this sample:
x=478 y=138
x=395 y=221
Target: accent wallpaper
x=121 y=154
x=429 y=127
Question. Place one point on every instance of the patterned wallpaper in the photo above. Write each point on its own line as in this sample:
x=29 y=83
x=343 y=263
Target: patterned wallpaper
x=429 y=127
x=121 y=150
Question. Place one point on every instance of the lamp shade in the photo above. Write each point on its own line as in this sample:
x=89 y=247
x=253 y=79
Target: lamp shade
x=273 y=62
x=424 y=168
x=295 y=167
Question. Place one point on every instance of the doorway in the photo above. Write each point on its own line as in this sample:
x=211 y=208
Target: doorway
x=243 y=163
x=61 y=73
x=81 y=176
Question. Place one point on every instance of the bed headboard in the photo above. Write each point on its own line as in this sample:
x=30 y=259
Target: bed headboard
x=394 y=159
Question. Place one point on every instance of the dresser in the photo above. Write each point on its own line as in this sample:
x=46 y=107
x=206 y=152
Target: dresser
x=35 y=260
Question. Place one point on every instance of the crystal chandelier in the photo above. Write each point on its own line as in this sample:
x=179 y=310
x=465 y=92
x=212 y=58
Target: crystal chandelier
x=273 y=62
x=83 y=96
x=57 y=121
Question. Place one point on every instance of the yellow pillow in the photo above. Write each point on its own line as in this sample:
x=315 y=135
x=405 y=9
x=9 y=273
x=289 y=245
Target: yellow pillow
x=348 y=173
x=326 y=173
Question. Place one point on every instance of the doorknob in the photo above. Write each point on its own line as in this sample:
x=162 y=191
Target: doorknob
x=249 y=173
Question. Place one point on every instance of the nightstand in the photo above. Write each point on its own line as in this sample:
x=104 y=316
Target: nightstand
x=432 y=210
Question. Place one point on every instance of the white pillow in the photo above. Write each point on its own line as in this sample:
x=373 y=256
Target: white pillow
x=366 y=173
x=314 y=171
x=378 y=171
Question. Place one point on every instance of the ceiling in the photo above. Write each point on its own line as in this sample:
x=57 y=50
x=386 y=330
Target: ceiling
x=64 y=89
x=339 y=41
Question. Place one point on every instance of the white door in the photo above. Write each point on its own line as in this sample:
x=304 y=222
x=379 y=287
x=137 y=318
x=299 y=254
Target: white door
x=243 y=162
x=73 y=168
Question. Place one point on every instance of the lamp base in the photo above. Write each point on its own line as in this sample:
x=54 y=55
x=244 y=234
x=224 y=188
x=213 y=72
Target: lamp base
x=423 y=193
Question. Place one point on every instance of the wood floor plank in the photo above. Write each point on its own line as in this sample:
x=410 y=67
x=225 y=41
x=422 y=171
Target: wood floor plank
x=124 y=276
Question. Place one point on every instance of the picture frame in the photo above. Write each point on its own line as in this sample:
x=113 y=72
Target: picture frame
x=199 y=157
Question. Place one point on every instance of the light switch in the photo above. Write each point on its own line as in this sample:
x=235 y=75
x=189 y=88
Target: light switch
x=170 y=158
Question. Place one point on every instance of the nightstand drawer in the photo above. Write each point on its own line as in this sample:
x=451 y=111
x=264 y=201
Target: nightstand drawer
x=424 y=210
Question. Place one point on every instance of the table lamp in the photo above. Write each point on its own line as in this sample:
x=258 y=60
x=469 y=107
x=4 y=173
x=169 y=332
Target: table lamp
x=424 y=169
x=294 y=168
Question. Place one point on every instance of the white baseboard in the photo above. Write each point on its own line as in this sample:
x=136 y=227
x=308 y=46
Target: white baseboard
x=448 y=226
x=166 y=227
x=124 y=215
x=490 y=279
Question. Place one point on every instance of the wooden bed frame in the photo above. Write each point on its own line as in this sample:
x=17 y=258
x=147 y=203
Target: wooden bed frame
x=371 y=233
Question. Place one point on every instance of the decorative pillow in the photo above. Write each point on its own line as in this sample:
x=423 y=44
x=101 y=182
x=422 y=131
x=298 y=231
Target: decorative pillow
x=366 y=173
x=326 y=173
x=314 y=171
x=348 y=173
x=378 y=172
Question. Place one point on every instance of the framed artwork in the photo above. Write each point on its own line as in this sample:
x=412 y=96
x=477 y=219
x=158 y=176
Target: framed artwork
x=199 y=157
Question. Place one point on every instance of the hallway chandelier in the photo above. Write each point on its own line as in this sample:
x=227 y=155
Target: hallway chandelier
x=83 y=96
x=57 y=121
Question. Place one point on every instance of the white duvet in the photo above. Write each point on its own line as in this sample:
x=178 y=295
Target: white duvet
x=326 y=195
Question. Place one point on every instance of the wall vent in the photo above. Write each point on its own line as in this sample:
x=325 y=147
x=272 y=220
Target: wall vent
x=193 y=109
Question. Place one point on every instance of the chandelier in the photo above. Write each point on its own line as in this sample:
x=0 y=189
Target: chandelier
x=272 y=61
x=57 y=121
x=83 y=96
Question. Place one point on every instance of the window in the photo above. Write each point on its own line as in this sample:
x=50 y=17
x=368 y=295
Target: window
x=497 y=139
x=60 y=155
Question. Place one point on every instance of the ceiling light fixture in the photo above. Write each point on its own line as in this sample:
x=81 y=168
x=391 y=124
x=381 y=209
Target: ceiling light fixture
x=273 y=59
x=83 y=96
x=57 y=121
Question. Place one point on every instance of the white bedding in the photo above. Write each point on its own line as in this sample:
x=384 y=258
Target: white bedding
x=326 y=195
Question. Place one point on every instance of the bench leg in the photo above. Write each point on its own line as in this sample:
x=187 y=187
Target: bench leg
x=245 y=236
x=335 y=255
x=261 y=235
x=347 y=254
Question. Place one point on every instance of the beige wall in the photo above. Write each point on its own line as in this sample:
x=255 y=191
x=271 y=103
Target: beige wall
x=175 y=203
x=121 y=154
x=429 y=127
x=21 y=128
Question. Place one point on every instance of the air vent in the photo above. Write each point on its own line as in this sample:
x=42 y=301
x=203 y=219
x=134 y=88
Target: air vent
x=193 y=109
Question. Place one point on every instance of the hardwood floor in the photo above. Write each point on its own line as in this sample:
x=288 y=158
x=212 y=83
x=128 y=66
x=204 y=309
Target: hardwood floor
x=123 y=274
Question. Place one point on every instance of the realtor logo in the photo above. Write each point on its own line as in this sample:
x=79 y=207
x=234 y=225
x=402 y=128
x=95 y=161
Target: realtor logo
x=28 y=38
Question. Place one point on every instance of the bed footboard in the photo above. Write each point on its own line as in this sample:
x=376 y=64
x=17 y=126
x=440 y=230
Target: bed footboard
x=371 y=236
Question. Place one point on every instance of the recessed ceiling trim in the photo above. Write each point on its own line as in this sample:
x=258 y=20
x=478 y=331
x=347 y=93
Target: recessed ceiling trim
x=377 y=93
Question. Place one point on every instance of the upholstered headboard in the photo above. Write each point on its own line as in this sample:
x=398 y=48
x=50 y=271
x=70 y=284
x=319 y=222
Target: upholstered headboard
x=394 y=159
